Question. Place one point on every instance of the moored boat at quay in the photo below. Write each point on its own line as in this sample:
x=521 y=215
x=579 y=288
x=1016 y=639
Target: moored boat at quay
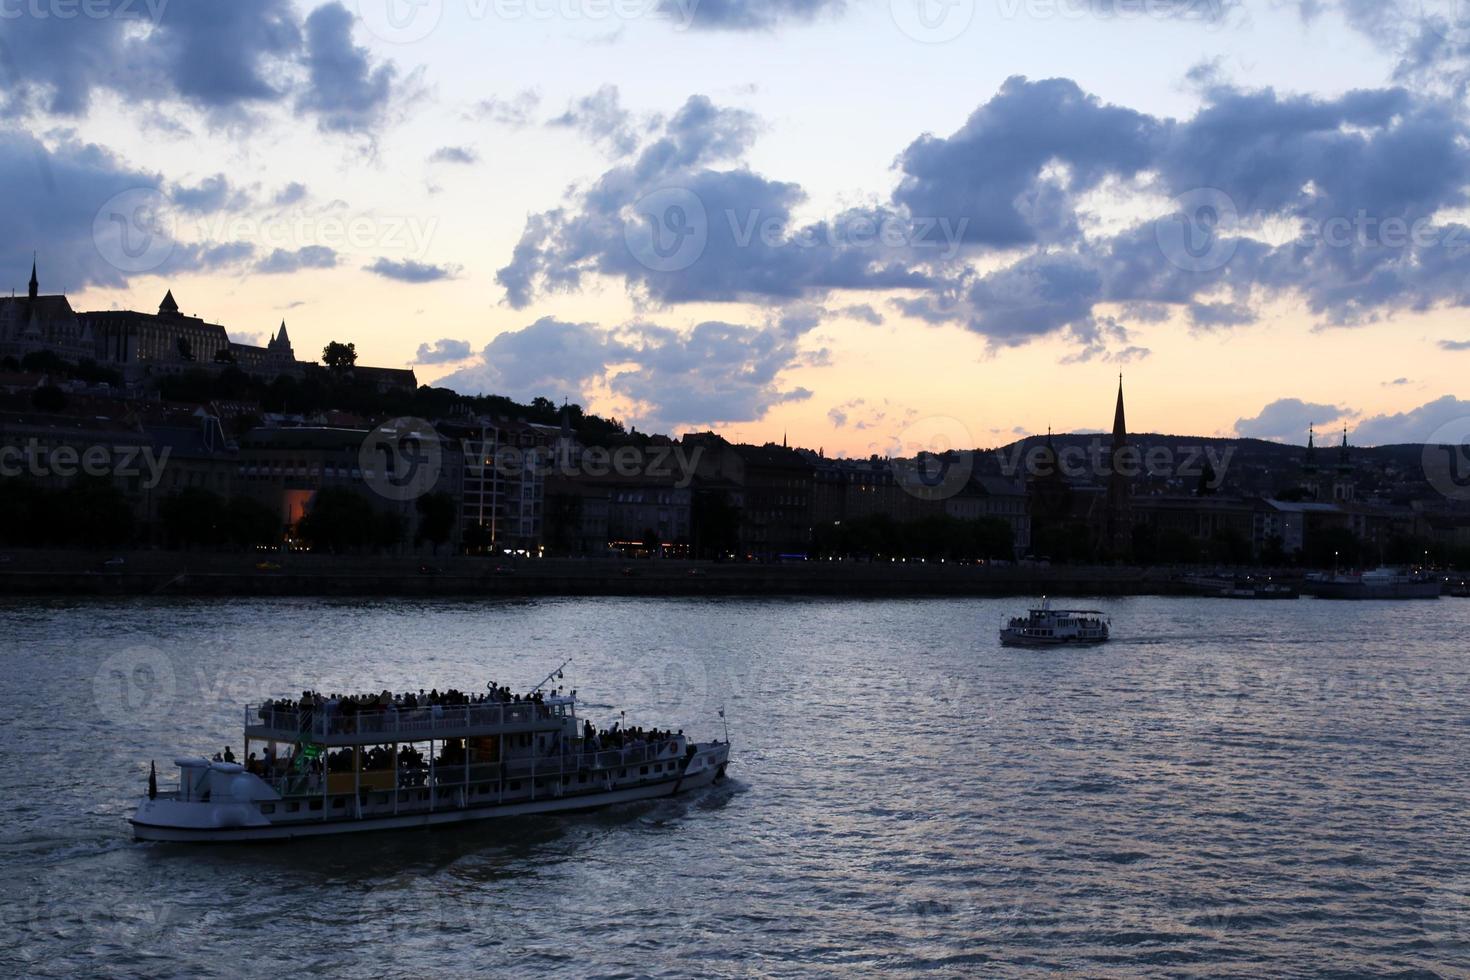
x=1380 y=583
x=382 y=762
x=1242 y=587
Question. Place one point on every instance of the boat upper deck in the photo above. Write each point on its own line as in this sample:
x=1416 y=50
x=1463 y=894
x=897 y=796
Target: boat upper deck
x=343 y=723
x=1048 y=612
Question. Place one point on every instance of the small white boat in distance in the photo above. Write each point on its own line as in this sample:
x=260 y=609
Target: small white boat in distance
x=1048 y=627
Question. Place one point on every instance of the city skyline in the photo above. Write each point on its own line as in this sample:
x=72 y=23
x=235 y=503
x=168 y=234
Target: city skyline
x=431 y=204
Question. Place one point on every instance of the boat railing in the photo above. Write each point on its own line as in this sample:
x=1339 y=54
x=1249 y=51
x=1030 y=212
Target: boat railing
x=328 y=720
x=289 y=781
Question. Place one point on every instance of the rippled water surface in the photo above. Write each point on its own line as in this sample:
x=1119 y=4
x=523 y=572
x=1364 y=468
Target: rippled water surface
x=1275 y=788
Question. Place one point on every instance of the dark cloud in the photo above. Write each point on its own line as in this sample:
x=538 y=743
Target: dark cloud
x=1287 y=420
x=746 y=244
x=1221 y=314
x=991 y=170
x=410 y=271
x=601 y=118
x=292 y=193
x=747 y=15
x=1454 y=345
x=863 y=312
x=714 y=372
x=53 y=199
x=1366 y=176
x=209 y=196
x=348 y=93
x=1445 y=418
x=284 y=261
x=550 y=358
x=445 y=351
x=218 y=56
x=516 y=112
x=455 y=155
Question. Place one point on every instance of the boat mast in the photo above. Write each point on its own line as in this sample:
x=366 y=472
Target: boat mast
x=555 y=673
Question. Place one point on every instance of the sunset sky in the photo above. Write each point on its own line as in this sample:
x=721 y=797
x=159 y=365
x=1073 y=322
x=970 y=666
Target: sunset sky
x=853 y=223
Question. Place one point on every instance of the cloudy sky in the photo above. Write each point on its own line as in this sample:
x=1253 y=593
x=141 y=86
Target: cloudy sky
x=859 y=222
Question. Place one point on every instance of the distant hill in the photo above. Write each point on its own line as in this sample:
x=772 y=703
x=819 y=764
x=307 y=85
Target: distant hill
x=1241 y=466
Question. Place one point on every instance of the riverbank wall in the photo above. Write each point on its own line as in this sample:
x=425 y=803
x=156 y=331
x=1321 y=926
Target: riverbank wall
x=162 y=573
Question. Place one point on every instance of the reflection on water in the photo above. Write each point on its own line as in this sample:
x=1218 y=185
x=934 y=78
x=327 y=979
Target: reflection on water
x=1227 y=788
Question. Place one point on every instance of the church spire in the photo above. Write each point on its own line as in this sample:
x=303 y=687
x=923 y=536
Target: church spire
x=168 y=307
x=1120 y=427
x=35 y=283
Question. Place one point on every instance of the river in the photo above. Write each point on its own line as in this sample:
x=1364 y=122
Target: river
x=1228 y=788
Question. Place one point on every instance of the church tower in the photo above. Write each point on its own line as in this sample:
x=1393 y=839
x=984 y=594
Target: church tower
x=1344 y=488
x=35 y=286
x=1119 y=518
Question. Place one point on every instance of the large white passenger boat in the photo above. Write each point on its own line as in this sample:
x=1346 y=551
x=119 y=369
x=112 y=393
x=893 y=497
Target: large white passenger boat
x=328 y=766
x=1048 y=627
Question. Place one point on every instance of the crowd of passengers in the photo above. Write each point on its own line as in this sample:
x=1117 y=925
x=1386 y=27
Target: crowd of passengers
x=386 y=702
x=413 y=766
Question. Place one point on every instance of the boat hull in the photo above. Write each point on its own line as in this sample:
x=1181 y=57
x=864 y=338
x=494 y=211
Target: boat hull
x=168 y=820
x=1386 y=590
x=1034 y=641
